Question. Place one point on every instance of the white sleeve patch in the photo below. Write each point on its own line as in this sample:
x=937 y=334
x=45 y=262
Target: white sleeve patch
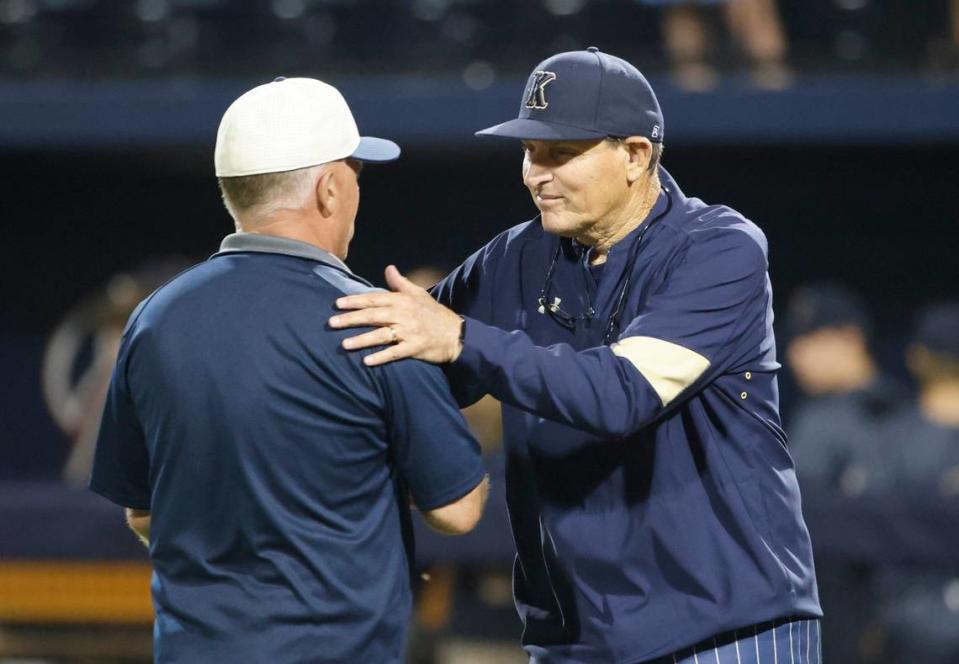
x=668 y=367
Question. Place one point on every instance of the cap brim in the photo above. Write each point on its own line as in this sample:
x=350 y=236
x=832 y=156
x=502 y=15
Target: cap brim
x=376 y=150
x=537 y=130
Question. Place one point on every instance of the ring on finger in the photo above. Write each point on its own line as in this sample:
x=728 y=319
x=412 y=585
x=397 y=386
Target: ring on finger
x=393 y=336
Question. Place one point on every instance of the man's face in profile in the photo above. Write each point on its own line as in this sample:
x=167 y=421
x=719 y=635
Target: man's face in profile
x=575 y=184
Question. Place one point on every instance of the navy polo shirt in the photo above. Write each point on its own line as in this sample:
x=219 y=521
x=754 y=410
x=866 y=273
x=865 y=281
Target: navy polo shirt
x=277 y=468
x=653 y=501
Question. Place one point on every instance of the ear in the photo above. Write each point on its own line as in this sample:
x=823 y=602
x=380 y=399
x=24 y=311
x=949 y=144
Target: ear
x=639 y=151
x=327 y=192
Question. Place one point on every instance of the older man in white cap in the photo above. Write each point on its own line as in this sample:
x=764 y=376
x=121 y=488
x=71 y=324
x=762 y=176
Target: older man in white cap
x=269 y=472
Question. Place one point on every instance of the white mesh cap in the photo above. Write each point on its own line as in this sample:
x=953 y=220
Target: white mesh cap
x=288 y=124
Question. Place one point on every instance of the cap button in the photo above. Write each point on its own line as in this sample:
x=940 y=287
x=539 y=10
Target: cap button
x=592 y=49
x=279 y=78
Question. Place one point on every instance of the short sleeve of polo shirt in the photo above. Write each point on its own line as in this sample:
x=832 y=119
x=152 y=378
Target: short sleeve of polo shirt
x=121 y=465
x=434 y=451
x=710 y=306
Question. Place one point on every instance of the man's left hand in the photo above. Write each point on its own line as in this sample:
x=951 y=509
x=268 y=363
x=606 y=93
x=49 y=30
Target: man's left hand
x=409 y=322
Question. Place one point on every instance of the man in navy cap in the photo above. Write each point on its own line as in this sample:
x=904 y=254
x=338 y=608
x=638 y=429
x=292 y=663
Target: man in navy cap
x=270 y=472
x=829 y=351
x=627 y=329
x=919 y=601
x=835 y=438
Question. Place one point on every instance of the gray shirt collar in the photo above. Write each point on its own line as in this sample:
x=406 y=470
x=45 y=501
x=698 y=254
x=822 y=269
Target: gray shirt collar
x=271 y=244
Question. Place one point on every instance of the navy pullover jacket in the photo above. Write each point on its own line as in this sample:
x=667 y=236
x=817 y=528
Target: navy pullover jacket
x=652 y=498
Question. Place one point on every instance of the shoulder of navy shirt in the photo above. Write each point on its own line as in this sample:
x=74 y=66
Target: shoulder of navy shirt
x=653 y=500
x=276 y=466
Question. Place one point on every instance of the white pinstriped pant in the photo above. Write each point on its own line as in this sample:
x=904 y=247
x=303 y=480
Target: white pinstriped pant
x=793 y=641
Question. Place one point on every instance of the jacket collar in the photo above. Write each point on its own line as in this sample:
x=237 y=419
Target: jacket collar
x=271 y=244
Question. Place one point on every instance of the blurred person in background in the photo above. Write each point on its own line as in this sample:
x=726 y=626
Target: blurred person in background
x=754 y=26
x=832 y=434
x=270 y=473
x=920 y=604
x=80 y=354
x=834 y=438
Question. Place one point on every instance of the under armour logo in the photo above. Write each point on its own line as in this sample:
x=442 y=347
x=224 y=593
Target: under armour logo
x=536 y=97
x=554 y=307
x=655 y=132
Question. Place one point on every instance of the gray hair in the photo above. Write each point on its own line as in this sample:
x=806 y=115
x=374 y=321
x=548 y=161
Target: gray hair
x=253 y=196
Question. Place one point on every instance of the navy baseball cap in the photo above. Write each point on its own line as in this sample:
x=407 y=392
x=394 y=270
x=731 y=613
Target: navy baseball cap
x=825 y=305
x=580 y=95
x=937 y=329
